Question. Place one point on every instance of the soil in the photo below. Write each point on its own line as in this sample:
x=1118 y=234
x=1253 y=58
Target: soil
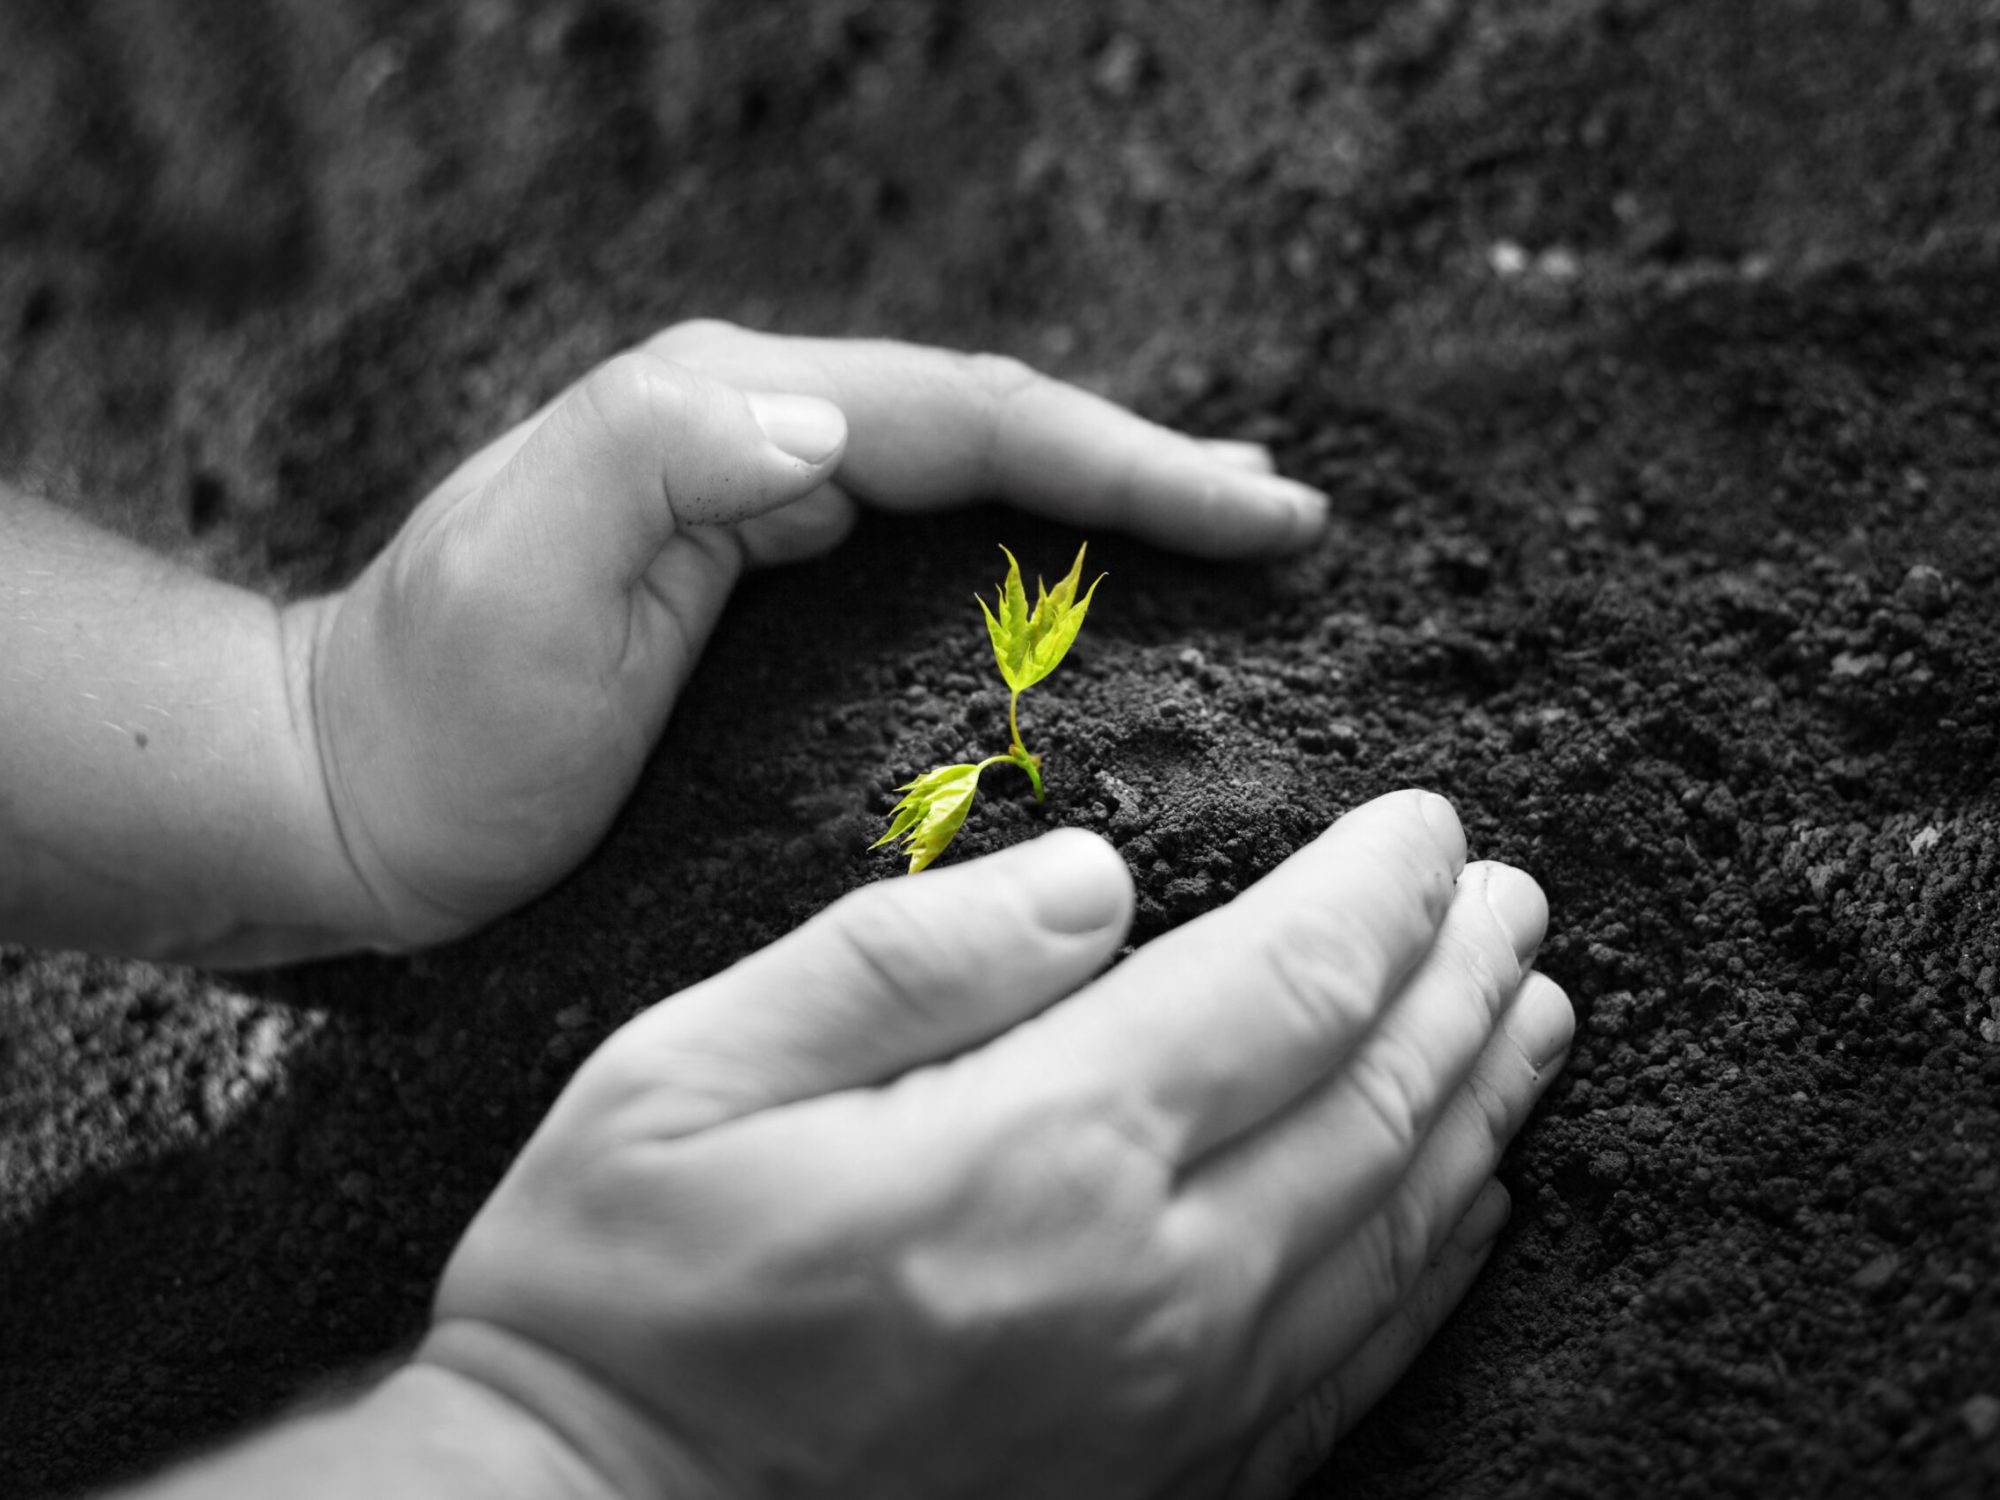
x=1651 y=352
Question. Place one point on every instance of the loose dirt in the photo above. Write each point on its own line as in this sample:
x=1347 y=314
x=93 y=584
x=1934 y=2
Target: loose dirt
x=1652 y=355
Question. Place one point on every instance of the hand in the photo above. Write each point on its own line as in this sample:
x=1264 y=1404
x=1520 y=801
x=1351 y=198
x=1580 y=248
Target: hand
x=908 y=1204
x=486 y=693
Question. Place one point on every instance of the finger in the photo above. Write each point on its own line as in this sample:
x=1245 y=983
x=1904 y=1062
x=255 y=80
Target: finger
x=899 y=974
x=1209 y=1030
x=932 y=428
x=1315 y=1173
x=1252 y=457
x=1328 y=1313
x=792 y=533
x=638 y=451
x=1295 y=1447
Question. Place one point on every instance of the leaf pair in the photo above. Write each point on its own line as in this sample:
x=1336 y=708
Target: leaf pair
x=933 y=807
x=1030 y=644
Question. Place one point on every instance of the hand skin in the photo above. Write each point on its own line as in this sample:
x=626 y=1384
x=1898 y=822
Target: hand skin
x=871 y=1213
x=191 y=773
x=911 y=1204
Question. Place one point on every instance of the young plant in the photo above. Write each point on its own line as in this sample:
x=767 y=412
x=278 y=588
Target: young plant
x=1028 y=644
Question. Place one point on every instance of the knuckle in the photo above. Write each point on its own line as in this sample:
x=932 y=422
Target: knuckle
x=1498 y=1106
x=1122 y=1150
x=913 y=971
x=1308 y=1431
x=1091 y=1164
x=1001 y=377
x=1486 y=966
x=1393 y=1086
x=995 y=383
x=1175 y=1347
x=1082 y=1208
x=688 y=341
x=1318 y=971
x=1399 y=1245
x=620 y=394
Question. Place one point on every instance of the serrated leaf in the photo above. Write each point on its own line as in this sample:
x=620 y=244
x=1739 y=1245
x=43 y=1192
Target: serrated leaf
x=1015 y=599
x=932 y=810
x=1028 y=644
x=1012 y=643
x=1064 y=592
x=1054 y=646
x=998 y=633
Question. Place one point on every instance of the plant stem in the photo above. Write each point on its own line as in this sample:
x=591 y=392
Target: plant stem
x=1018 y=752
x=1033 y=767
x=1019 y=757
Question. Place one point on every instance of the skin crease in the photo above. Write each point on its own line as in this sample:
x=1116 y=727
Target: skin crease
x=1162 y=1230
x=1034 y=1198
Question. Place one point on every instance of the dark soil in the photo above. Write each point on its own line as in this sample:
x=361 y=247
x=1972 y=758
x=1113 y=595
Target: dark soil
x=1652 y=353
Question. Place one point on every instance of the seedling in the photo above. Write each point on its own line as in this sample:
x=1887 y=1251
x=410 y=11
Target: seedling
x=1028 y=644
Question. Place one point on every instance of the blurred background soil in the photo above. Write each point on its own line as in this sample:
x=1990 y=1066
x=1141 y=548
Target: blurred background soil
x=1651 y=353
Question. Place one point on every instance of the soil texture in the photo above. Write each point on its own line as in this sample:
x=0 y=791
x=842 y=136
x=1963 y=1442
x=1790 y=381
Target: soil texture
x=1652 y=354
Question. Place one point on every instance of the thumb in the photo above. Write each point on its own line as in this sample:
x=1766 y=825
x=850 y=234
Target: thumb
x=641 y=449
x=905 y=972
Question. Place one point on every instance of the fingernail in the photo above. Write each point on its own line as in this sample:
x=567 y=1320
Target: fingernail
x=1517 y=902
x=1541 y=1022
x=1442 y=820
x=1488 y=1215
x=809 y=429
x=1079 y=883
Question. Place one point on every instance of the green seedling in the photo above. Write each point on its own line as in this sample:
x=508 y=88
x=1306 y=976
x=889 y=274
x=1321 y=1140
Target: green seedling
x=1028 y=644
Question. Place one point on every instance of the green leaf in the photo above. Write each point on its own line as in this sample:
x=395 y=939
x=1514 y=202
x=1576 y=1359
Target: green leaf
x=931 y=812
x=1015 y=600
x=1065 y=590
x=1061 y=633
x=1011 y=630
x=1029 y=644
x=1001 y=647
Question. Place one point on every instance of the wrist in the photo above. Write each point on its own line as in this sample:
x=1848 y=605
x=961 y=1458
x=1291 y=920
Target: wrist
x=160 y=789
x=420 y=1431
x=302 y=898
x=625 y=1448
x=457 y=1436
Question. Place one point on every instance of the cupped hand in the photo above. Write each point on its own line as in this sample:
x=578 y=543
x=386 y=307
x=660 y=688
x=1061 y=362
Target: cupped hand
x=910 y=1204
x=485 y=694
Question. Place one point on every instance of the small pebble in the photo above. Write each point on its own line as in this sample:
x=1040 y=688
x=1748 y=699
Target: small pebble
x=1925 y=590
x=1981 y=1416
x=1877 y=1274
x=1559 y=264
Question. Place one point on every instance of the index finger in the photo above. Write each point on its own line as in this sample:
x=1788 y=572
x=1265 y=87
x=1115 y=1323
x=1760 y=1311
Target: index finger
x=930 y=428
x=1225 y=1022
